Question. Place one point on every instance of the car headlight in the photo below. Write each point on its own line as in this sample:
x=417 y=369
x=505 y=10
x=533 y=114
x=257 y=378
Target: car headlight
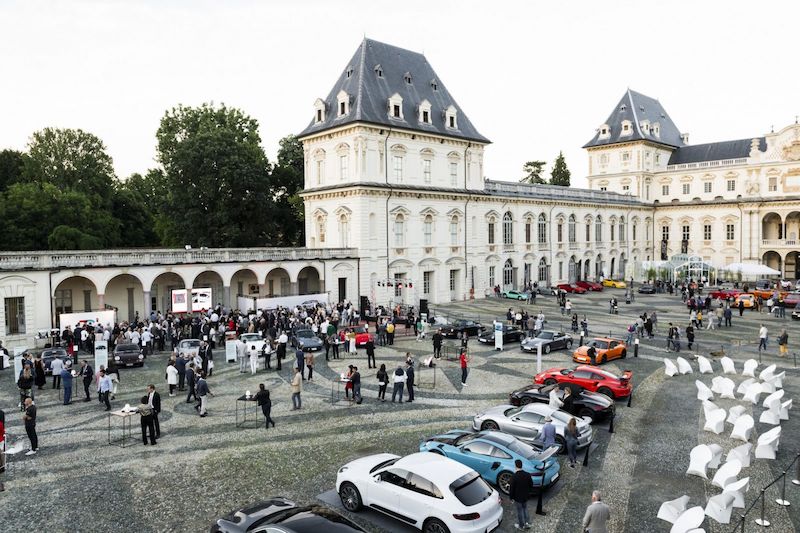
x=141 y=356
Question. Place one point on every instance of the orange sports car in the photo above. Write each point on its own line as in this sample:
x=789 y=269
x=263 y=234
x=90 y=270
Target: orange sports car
x=606 y=349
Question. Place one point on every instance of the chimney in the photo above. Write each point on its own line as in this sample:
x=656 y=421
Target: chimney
x=685 y=138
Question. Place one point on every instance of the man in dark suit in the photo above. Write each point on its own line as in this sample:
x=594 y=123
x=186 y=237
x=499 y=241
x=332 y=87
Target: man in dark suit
x=410 y=380
x=205 y=353
x=437 y=343
x=371 y=354
x=190 y=383
x=87 y=374
x=154 y=403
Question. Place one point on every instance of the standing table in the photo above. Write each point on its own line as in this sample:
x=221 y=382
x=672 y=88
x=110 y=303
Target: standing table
x=246 y=404
x=336 y=398
x=126 y=437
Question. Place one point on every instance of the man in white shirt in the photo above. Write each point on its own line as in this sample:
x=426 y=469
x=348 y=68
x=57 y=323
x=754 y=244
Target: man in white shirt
x=146 y=341
x=762 y=338
x=56 y=366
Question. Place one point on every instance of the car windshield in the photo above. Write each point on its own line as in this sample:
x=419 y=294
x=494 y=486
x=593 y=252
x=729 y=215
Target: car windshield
x=470 y=489
x=127 y=348
x=191 y=343
x=599 y=344
x=251 y=337
x=54 y=353
x=546 y=335
x=309 y=520
x=360 y=329
x=305 y=333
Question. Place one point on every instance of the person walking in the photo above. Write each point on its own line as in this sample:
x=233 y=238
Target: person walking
x=410 y=380
x=437 y=343
x=30 y=425
x=383 y=381
x=741 y=306
x=203 y=392
x=56 y=366
x=112 y=371
x=519 y=491
x=190 y=383
x=283 y=339
x=300 y=362
x=87 y=374
x=464 y=361
x=172 y=378
x=762 y=338
x=262 y=397
x=399 y=380
x=253 y=360
x=104 y=388
x=297 y=385
x=783 y=344
x=154 y=403
x=309 y=362
x=571 y=436
x=146 y=418
x=727 y=314
x=597 y=515
x=690 y=335
x=370 y=346
x=66 y=378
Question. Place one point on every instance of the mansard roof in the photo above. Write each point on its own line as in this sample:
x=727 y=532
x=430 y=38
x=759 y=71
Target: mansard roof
x=715 y=151
x=638 y=108
x=379 y=71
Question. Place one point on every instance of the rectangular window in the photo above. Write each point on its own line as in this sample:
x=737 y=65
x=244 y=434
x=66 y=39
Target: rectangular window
x=633 y=232
x=320 y=172
x=491 y=276
x=15 y=316
x=686 y=188
x=452 y=122
x=665 y=190
x=730 y=232
x=528 y=232
x=396 y=111
x=664 y=233
x=397 y=162
x=453 y=173
x=559 y=232
x=706 y=232
x=542 y=231
x=626 y=156
x=658 y=158
x=626 y=187
x=731 y=185
x=425 y=117
x=343 y=167
x=87 y=300
x=426 y=281
x=63 y=301
x=426 y=170
x=453 y=279
x=560 y=269
x=454 y=231
x=398 y=283
x=707 y=187
x=685 y=232
x=773 y=184
x=341 y=108
x=428 y=226
x=491 y=232
x=588 y=232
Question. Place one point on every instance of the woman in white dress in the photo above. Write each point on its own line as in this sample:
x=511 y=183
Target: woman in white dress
x=352 y=335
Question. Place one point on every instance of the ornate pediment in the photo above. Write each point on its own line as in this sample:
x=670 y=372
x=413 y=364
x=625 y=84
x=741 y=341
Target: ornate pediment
x=791 y=150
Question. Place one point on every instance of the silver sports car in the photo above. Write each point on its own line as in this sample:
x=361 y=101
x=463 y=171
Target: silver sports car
x=526 y=423
x=550 y=340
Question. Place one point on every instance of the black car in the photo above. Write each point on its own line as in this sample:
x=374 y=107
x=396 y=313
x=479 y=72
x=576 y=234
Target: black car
x=48 y=354
x=128 y=355
x=510 y=334
x=457 y=327
x=584 y=403
x=282 y=515
x=647 y=289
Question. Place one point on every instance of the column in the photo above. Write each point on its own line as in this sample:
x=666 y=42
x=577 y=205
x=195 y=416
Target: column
x=101 y=301
x=146 y=312
x=226 y=297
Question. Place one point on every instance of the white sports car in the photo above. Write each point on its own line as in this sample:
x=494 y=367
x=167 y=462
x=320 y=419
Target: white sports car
x=425 y=490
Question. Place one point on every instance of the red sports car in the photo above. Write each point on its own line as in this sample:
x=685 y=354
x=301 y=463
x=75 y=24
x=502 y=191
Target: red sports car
x=792 y=299
x=723 y=294
x=590 y=378
x=362 y=335
x=589 y=285
x=566 y=287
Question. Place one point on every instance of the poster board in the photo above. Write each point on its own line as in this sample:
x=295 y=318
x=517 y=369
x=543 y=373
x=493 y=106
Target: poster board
x=498 y=335
x=202 y=299
x=179 y=301
x=18 y=351
x=246 y=303
x=230 y=351
x=92 y=318
x=100 y=354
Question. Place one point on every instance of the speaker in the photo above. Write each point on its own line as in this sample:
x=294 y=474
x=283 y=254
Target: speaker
x=423 y=306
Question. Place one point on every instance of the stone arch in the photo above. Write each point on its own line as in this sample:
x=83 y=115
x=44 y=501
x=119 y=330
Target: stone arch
x=309 y=280
x=125 y=292
x=75 y=293
x=772 y=227
x=244 y=282
x=791 y=265
x=773 y=260
x=278 y=282
x=163 y=284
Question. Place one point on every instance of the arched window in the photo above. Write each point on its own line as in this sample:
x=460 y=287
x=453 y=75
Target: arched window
x=508 y=273
x=542 y=270
x=344 y=230
x=598 y=229
x=508 y=229
x=542 y=229
x=621 y=229
x=428 y=230
x=454 y=230
x=633 y=231
x=491 y=229
x=560 y=230
x=321 y=229
x=528 y=224
x=588 y=230
x=399 y=230
x=571 y=228
x=613 y=223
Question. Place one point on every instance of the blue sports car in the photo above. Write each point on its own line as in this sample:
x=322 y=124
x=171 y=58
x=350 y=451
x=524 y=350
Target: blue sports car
x=492 y=455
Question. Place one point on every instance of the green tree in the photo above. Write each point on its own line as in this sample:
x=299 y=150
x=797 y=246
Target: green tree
x=533 y=172
x=12 y=164
x=135 y=212
x=560 y=173
x=216 y=176
x=286 y=182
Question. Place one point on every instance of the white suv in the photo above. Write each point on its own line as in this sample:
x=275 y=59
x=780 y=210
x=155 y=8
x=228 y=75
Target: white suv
x=425 y=490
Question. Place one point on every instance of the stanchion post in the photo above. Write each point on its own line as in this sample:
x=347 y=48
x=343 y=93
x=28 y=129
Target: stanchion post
x=580 y=343
x=540 y=499
x=630 y=397
x=782 y=501
x=611 y=425
x=636 y=347
x=759 y=355
x=763 y=522
x=796 y=480
x=586 y=456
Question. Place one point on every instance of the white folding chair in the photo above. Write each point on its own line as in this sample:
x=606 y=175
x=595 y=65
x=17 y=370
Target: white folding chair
x=719 y=507
x=716 y=456
x=768 y=416
x=768 y=444
x=734 y=413
x=703 y=392
x=727 y=473
x=777 y=395
x=715 y=421
x=705 y=365
x=669 y=368
x=683 y=366
x=768 y=387
x=742 y=388
x=767 y=372
x=708 y=406
x=699 y=458
x=738 y=489
x=785 y=406
x=689 y=520
x=727 y=365
x=779 y=380
x=752 y=393
x=670 y=511
x=742 y=428
x=741 y=453
x=723 y=386
x=750 y=368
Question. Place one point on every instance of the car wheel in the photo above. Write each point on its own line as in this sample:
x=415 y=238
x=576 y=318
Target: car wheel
x=549 y=381
x=585 y=411
x=490 y=425
x=434 y=525
x=524 y=400
x=546 y=348
x=351 y=498
x=624 y=354
x=504 y=482
x=606 y=391
x=562 y=445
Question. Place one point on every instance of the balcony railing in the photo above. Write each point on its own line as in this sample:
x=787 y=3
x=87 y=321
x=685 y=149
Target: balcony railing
x=708 y=164
x=133 y=257
x=779 y=242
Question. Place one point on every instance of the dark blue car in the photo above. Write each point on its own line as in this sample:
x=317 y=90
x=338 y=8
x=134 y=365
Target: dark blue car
x=492 y=455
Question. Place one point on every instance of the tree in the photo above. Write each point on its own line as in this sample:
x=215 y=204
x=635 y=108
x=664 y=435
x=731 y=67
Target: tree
x=216 y=178
x=12 y=164
x=560 y=173
x=286 y=180
x=533 y=172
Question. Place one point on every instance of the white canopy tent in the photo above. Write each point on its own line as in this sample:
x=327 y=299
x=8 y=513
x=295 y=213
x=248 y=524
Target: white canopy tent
x=751 y=269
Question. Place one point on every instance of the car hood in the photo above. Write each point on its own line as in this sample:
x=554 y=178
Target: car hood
x=596 y=398
x=496 y=411
x=309 y=341
x=533 y=341
x=364 y=464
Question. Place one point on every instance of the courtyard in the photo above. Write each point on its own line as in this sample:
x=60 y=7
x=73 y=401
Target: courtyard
x=203 y=468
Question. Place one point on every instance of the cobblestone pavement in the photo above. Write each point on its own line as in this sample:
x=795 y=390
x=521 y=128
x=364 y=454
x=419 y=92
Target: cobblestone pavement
x=205 y=467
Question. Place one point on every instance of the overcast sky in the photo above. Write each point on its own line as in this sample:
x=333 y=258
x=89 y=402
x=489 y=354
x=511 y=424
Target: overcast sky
x=534 y=77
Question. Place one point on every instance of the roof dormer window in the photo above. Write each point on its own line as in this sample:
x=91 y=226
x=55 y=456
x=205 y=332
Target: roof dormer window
x=645 y=124
x=319 y=111
x=407 y=78
x=378 y=71
x=623 y=107
x=425 y=112
x=434 y=85
x=451 y=118
x=349 y=72
x=343 y=100
x=656 y=129
x=396 y=106
x=604 y=132
x=627 y=127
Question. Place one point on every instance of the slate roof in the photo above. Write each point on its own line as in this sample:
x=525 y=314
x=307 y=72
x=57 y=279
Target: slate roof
x=637 y=107
x=715 y=151
x=369 y=93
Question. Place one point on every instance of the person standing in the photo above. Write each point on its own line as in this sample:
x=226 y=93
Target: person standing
x=253 y=360
x=104 y=388
x=40 y=379
x=370 y=346
x=783 y=344
x=66 y=378
x=741 y=306
x=241 y=355
x=399 y=379
x=548 y=432
x=410 y=380
x=86 y=374
x=146 y=413
x=437 y=343
x=172 y=378
x=519 y=491
x=597 y=515
x=154 y=402
x=335 y=344
x=326 y=342
x=351 y=337
x=571 y=436
x=300 y=362
x=355 y=380
x=390 y=333
x=762 y=338
x=203 y=392
x=297 y=385
x=282 y=341
x=25 y=385
x=2 y=435
x=464 y=360
x=56 y=366
x=30 y=425
x=728 y=314
x=262 y=397
x=180 y=364
x=690 y=335
x=383 y=381
x=190 y=383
